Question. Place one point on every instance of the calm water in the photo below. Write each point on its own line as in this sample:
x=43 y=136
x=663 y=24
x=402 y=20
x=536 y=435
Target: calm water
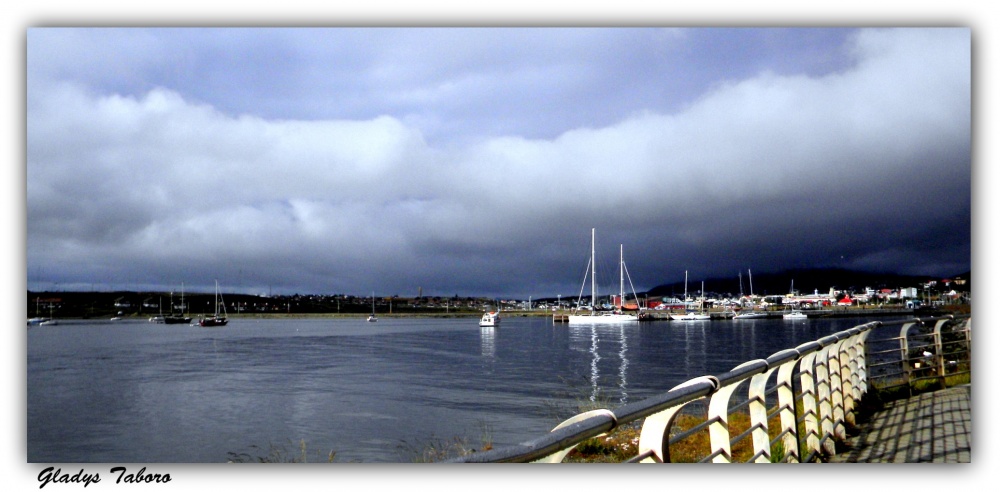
x=134 y=392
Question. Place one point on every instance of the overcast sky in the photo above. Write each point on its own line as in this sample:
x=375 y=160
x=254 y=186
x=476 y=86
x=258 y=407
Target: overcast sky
x=475 y=161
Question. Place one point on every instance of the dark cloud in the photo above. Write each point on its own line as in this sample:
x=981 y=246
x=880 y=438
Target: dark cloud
x=476 y=162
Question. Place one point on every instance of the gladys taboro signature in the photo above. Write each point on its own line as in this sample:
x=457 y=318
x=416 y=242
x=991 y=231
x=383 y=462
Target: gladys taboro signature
x=55 y=475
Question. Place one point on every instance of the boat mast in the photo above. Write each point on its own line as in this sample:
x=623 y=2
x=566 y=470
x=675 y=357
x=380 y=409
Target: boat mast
x=593 y=274
x=621 y=268
x=701 y=305
x=685 y=288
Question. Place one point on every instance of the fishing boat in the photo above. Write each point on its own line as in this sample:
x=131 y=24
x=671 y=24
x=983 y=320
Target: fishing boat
x=794 y=314
x=217 y=319
x=371 y=317
x=690 y=315
x=605 y=317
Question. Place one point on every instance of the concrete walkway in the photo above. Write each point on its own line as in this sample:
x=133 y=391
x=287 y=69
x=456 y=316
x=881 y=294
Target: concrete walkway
x=933 y=427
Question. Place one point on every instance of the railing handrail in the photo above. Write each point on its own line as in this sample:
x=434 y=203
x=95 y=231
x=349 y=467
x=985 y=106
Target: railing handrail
x=833 y=375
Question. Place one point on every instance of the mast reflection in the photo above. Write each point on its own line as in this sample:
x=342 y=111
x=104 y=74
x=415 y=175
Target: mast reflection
x=589 y=338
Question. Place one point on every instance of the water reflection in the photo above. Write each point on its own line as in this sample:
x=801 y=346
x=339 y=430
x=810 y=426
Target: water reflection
x=589 y=338
x=488 y=341
x=695 y=351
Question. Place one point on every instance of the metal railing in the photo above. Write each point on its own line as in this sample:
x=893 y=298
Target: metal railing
x=794 y=404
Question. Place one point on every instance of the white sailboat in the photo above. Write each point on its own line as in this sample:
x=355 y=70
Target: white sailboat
x=371 y=317
x=753 y=313
x=615 y=317
x=691 y=315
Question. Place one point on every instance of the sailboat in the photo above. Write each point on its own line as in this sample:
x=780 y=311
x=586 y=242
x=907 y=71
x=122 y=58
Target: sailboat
x=37 y=320
x=173 y=319
x=753 y=313
x=217 y=319
x=372 y=317
x=691 y=315
x=605 y=317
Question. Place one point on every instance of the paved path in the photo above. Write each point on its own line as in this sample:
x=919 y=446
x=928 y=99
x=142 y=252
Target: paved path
x=933 y=427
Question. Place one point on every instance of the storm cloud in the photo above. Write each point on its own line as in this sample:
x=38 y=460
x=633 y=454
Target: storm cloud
x=476 y=161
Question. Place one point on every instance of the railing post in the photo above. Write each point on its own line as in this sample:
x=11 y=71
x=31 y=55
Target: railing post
x=939 y=352
x=810 y=414
x=825 y=398
x=558 y=456
x=904 y=346
x=654 y=436
x=851 y=367
x=718 y=429
x=758 y=416
x=837 y=389
x=789 y=420
x=861 y=371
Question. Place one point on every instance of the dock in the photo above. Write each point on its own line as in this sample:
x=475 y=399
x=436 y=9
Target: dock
x=654 y=315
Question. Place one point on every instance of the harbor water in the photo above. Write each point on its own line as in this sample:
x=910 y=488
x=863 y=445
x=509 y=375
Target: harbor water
x=132 y=391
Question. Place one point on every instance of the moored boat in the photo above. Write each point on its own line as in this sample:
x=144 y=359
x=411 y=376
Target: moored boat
x=606 y=317
x=372 y=317
x=691 y=315
x=217 y=319
x=491 y=318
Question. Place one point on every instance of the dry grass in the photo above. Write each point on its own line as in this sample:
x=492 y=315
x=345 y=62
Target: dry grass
x=622 y=444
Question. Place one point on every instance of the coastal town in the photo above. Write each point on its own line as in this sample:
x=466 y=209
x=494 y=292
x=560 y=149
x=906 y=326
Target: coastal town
x=944 y=294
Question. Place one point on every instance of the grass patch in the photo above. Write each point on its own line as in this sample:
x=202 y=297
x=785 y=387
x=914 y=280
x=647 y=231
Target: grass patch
x=622 y=443
x=435 y=450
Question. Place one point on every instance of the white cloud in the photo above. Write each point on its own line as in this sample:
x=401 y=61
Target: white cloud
x=160 y=177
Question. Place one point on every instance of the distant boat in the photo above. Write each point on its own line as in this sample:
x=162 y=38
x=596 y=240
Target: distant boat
x=795 y=314
x=607 y=317
x=753 y=313
x=490 y=318
x=371 y=317
x=50 y=321
x=691 y=315
x=217 y=319
x=37 y=320
x=175 y=319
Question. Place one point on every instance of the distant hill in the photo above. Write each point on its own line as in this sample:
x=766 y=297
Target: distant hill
x=805 y=280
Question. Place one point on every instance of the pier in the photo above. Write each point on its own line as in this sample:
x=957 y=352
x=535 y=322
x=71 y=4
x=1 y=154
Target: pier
x=933 y=427
x=897 y=391
x=664 y=315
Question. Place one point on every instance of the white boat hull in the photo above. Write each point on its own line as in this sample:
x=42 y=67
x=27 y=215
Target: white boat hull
x=601 y=319
x=490 y=319
x=690 y=317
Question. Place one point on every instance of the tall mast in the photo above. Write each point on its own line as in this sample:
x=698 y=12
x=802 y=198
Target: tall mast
x=621 y=277
x=593 y=274
x=750 y=274
x=685 y=287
